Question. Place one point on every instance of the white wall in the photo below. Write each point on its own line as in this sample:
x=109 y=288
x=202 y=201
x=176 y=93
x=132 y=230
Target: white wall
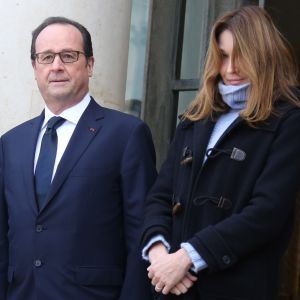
x=109 y=24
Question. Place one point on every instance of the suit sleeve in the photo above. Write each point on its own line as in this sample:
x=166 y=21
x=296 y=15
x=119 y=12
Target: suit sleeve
x=138 y=173
x=3 y=233
x=269 y=212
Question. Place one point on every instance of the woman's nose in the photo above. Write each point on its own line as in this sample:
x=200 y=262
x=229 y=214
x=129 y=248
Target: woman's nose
x=230 y=66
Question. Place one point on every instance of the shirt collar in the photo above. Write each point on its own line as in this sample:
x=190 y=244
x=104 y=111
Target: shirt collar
x=71 y=114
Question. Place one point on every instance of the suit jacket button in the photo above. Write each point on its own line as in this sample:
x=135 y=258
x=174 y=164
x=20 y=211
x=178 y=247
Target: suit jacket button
x=226 y=259
x=37 y=263
x=39 y=228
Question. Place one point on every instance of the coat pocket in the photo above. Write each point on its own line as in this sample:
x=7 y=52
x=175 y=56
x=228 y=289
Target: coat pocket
x=89 y=275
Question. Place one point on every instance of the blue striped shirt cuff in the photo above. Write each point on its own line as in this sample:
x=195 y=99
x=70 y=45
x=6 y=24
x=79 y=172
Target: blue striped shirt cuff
x=198 y=262
x=155 y=239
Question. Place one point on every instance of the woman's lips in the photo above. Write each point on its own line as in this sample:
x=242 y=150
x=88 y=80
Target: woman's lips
x=235 y=81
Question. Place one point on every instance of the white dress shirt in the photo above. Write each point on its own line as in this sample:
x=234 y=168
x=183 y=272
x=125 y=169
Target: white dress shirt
x=64 y=132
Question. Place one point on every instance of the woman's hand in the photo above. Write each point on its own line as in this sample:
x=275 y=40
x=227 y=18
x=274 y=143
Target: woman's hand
x=169 y=270
x=184 y=285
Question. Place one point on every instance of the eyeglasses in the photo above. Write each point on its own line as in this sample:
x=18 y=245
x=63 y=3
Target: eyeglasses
x=66 y=57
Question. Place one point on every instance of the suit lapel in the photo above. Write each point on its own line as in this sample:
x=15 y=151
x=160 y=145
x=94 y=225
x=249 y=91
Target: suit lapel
x=87 y=128
x=28 y=150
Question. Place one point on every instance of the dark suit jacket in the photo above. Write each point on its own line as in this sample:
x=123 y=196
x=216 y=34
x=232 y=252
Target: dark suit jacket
x=237 y=210
x=83 y=243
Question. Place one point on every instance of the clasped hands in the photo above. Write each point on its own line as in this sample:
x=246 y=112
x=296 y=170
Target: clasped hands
x=169 y=273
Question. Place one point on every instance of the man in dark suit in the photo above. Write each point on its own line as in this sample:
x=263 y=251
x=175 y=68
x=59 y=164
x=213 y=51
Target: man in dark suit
x=73 y=182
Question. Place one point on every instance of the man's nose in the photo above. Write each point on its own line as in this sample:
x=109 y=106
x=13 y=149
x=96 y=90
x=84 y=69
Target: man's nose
x=57 y=63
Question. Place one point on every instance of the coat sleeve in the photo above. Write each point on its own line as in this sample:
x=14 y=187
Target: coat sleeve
x=138 y=173
x=3 y=233
x=158 y=209
x=269 y=213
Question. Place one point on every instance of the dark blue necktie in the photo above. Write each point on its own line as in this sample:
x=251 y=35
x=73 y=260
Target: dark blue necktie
x=45 y=163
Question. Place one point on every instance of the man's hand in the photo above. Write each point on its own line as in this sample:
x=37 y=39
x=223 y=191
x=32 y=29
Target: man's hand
x=168 y=270
x=183 y=286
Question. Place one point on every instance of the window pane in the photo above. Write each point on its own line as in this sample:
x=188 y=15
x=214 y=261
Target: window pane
x=194 y=39
x=136 y=58
x=184 y=99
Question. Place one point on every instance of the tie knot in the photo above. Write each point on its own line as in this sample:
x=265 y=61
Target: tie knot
x=55 y=122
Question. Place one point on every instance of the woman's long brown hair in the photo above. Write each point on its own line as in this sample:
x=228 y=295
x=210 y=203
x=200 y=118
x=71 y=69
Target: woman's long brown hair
x=260 y=53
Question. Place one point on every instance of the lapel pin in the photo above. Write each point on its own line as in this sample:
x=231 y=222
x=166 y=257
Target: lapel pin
x=92 y=129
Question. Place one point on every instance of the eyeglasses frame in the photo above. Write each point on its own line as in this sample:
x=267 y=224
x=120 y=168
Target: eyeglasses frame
x=59 y=54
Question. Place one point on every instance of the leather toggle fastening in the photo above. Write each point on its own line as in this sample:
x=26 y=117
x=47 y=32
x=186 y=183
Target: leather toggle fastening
x=234 y=153
x=187 y=156
x=177 y=206
x=220 y=202
x=238 y=154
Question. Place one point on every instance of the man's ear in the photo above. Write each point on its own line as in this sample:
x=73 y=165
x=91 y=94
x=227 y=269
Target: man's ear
x=90 y=65
x=33 y=63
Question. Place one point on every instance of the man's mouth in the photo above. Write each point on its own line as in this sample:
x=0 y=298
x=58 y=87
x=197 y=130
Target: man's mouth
x=58 y=80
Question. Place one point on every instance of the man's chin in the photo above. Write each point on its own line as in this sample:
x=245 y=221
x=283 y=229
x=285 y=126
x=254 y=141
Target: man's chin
x=59 y=96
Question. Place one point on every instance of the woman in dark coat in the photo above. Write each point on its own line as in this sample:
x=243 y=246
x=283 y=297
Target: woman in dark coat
x=220 y=214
